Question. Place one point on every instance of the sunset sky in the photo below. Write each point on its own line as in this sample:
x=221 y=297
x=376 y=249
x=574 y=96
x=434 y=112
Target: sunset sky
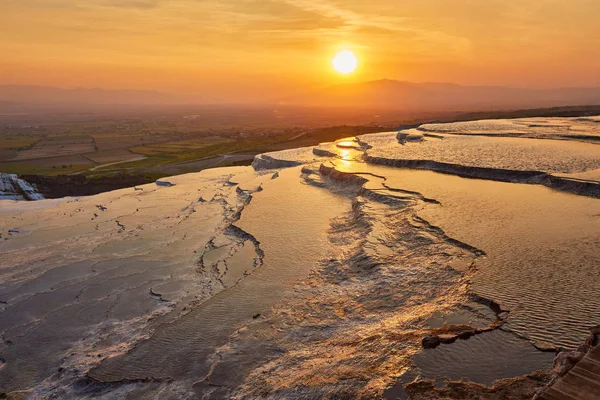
x=238 y=48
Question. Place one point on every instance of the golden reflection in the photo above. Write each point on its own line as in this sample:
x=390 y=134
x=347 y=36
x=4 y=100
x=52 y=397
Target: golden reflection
x=346 y=143
x=345 y=154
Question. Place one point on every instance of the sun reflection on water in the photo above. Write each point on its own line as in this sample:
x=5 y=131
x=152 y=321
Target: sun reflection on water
x=347 y=144
x=345 y=154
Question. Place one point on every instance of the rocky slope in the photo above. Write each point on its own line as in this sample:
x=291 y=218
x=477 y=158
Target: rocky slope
x=14 y=188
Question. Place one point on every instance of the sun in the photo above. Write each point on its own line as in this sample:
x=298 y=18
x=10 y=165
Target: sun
x=345 y=62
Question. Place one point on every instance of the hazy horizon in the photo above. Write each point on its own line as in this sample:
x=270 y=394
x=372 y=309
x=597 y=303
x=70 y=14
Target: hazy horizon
x=377 y=95
x=293 y=91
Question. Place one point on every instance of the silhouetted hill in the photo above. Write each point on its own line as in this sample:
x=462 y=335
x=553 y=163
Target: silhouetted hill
x=381 y=94
x=391 y=94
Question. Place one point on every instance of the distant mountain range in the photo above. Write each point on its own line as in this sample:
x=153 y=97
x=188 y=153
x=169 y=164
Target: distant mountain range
x=380 y=94
x=391 y=94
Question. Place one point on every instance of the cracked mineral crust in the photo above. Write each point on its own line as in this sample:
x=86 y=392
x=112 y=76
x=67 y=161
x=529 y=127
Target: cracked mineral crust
x=408 y=264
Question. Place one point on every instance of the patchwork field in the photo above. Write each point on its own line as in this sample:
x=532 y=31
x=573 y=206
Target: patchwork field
x=58 y=146
x=178 y=146
x=7 y=154
x=10 y=145
x=111 y=156
x=111 y=141
x=17 y=142
x=48 y=166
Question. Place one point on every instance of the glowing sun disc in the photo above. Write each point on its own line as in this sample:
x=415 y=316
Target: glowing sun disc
x=345 y=62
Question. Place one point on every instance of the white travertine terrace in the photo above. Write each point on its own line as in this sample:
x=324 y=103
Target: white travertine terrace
x=314 y=274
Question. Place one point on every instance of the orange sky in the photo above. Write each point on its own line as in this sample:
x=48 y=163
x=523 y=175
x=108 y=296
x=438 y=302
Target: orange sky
x=244 y=49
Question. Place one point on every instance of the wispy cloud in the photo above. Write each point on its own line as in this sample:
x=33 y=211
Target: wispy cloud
x=136 y=4
x=296 y=37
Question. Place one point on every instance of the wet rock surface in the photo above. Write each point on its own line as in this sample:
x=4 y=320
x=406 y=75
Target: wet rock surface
x=14 y=188
x=352 y=269
x=522 y=388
